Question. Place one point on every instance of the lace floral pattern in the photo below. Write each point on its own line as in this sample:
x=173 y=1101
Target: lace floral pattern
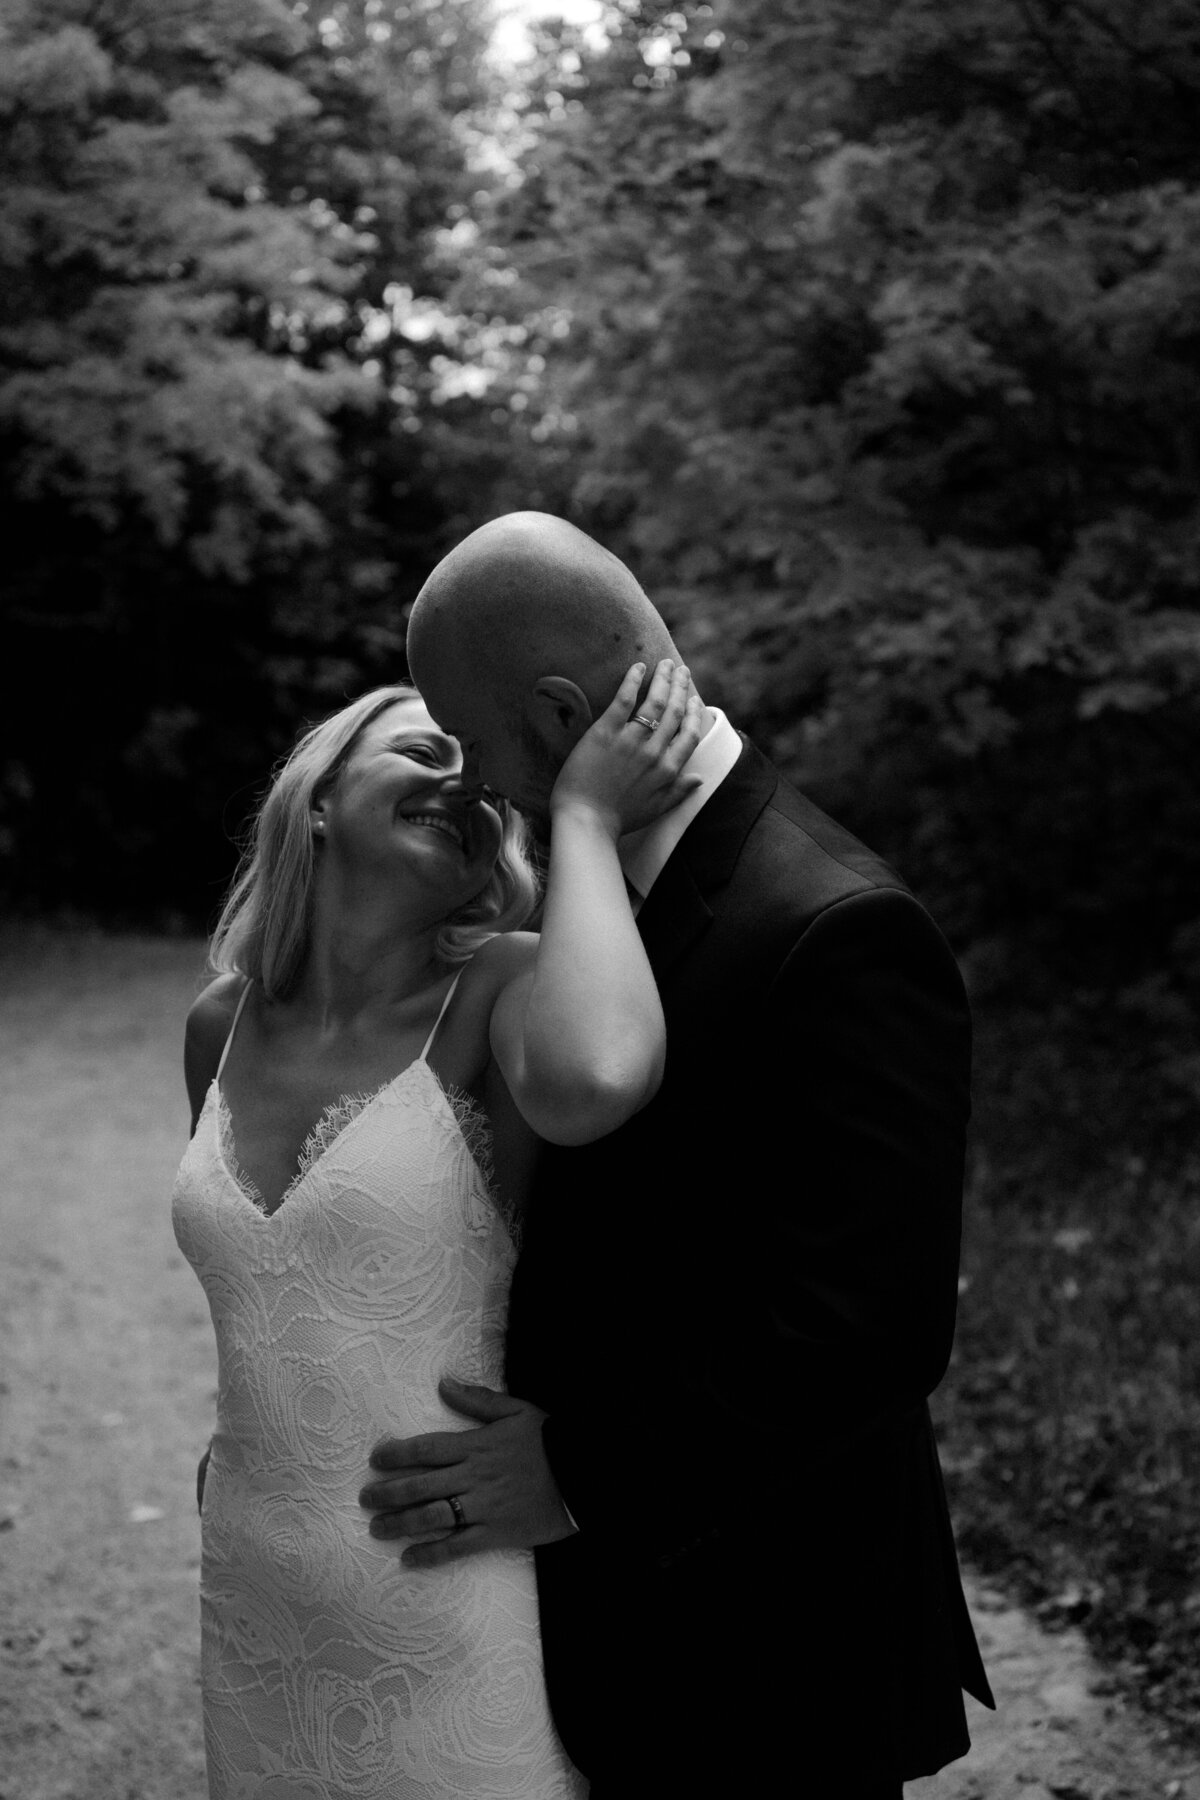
x=332 y=1122
x=476 y=1129
x=473 y=1122
x=331 y=1672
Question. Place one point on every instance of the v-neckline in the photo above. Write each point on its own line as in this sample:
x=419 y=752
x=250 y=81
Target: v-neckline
x=305 y=1168
x=242 y=1184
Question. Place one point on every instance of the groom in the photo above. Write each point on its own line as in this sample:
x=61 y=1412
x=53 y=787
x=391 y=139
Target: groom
x=727 y=1316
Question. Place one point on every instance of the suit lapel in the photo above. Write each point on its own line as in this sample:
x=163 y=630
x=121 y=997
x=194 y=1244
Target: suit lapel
x=676 y=911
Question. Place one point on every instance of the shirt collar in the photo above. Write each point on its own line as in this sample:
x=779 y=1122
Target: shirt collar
x=644 y=853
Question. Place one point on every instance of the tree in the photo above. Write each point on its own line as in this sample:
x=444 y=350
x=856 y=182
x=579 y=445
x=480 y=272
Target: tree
x=884 y=370
x=212 y=480
x=142 y=261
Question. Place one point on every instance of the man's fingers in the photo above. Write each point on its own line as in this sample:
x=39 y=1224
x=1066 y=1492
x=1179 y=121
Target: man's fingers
x=476 y=1402
x=413 y=1521
x=440 y=1450
x=408 y=1490
x=435 y=1553
x=390 y=1525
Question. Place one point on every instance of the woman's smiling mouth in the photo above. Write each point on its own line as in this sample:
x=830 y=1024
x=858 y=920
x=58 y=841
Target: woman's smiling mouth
x=437 y=821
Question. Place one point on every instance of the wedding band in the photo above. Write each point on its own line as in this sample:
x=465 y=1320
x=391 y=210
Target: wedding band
x=641 y=719
x=456 y=1507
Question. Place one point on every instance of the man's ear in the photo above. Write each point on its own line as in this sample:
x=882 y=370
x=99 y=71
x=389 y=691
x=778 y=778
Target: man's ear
x=562 y=712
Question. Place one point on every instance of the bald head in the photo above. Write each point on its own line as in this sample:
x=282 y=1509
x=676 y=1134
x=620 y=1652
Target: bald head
x=519 y=639
x=529 y=595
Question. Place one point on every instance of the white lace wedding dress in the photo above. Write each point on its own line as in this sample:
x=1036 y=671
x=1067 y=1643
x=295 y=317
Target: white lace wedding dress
x=330 y=1672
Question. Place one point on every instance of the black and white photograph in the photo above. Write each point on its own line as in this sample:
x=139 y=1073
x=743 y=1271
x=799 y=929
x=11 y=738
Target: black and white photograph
x=600 y=900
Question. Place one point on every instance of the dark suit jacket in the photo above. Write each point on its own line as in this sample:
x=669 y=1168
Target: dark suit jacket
x=733 y=1310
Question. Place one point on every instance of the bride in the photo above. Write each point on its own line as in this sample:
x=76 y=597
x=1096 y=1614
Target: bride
x=369 y=1074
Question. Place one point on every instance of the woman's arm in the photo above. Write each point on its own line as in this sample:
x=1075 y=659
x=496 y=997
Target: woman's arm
x=209 y=1019
x=580 y=1037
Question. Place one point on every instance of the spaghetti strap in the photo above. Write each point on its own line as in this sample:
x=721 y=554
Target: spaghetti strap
x=441 y=1015
x=237 y=1015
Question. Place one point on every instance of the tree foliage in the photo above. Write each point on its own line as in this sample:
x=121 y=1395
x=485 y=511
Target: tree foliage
x=211 y=476
x=884 y=370
x=144 y=266
x=867 y=332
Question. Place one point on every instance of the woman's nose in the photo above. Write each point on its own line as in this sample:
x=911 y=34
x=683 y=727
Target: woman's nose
x=464 y=781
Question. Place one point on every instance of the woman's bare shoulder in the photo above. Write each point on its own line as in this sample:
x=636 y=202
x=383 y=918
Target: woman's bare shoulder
x=504 y=956
x=213 y=1008
x=497 y=964
x=209 y=1019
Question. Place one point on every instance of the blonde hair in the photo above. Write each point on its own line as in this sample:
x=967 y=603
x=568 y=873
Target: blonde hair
x=266 y=920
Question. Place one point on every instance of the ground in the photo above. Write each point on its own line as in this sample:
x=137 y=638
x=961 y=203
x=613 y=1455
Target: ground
x=108 y=1391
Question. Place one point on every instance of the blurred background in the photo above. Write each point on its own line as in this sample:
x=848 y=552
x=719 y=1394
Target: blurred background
x=868 y=333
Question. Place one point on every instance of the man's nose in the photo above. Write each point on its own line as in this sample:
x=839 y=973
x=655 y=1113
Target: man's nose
x=466 y=781
x=473 y=784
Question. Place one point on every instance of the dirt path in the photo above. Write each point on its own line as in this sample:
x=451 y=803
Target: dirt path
x=1055 y=1735
x=108 y=1388
x=107 y=1359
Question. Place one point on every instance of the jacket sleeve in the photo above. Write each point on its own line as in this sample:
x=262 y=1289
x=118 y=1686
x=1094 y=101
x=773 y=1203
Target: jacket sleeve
x=870 y=1023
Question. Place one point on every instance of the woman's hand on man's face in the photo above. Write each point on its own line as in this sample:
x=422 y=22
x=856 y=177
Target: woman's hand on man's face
x=627 y=768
